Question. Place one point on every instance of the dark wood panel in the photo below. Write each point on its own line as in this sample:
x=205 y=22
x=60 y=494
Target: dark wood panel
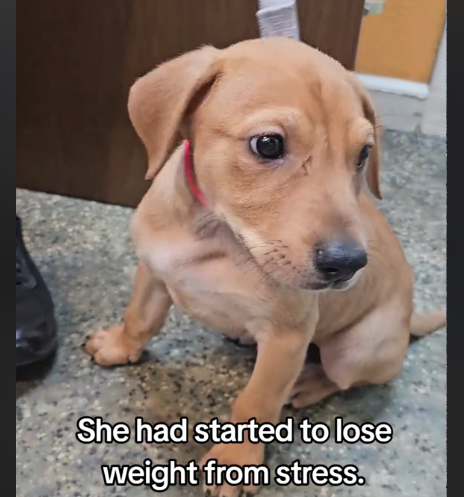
x=76 y=60
x=333 y=26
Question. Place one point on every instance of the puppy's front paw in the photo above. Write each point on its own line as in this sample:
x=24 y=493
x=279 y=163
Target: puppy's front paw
x=245 y=454
x=111 y=347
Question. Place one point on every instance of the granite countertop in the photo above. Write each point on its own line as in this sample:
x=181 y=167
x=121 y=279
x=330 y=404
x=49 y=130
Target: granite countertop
x=85 y=254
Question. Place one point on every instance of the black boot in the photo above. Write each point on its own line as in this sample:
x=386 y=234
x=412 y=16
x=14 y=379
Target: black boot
x=35 y=320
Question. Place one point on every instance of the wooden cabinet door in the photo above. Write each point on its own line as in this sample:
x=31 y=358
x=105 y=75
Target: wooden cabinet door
x=76 y=60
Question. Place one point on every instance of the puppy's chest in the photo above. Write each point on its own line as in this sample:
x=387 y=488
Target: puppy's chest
x=210 y=283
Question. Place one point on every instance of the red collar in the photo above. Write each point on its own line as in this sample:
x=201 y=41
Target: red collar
x=190 y=174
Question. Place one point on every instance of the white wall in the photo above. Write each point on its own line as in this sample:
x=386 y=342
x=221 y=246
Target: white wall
x=434 y=120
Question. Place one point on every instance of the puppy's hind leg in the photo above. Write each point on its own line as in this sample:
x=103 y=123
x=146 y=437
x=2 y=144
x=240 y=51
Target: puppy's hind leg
x=312 y=386
x=370 y=352
x=144 y=318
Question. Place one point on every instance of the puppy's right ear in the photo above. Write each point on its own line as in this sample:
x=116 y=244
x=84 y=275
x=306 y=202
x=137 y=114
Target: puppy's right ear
x=160 y=100
x=373 y=167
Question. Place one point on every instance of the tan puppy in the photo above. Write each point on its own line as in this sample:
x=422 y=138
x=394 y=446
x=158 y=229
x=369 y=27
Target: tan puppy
x=287 y=249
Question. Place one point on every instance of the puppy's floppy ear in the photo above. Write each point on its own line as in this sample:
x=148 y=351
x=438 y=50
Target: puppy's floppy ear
x=160 y=100
x=373 y=168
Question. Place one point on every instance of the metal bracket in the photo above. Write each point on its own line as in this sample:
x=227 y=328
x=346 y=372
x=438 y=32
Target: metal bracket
x=373 y=7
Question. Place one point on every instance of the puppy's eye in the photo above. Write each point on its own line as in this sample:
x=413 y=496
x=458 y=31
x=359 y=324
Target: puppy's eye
x=270 y=147
x=363 y=156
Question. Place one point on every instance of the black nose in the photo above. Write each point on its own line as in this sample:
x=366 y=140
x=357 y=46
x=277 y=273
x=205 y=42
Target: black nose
x=338 y=261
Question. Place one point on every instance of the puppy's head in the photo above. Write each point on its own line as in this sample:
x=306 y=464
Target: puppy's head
x=283 y=139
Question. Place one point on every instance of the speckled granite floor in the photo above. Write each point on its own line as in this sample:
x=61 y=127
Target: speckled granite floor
x=86 y=257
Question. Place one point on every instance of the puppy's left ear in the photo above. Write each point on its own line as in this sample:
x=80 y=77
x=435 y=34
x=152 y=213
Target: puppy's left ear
x=160 y=101
x=373 y=167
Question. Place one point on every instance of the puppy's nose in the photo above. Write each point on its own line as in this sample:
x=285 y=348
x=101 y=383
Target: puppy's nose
x=340 y=260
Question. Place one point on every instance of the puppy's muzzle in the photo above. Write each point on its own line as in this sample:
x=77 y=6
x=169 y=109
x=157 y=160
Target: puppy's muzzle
x=338 y=261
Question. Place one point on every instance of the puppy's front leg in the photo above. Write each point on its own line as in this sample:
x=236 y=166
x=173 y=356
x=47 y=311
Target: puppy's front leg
x=281 y=356
x=144 y=317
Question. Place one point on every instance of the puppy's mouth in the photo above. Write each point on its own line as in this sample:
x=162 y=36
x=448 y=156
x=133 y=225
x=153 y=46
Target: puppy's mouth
x=296 y=280
x=279 y=268
x=340 y=285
